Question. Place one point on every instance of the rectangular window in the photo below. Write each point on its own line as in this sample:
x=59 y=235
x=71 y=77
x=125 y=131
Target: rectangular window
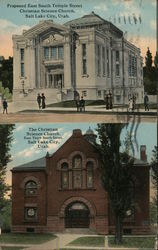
x=135 y=67
x=99 y=93
x=84 y=59
x=60 y=52
x=117 y=63
x=98 y=60
x=22 y=54
x=84 y=93
x=46 y=53
x=103 y=60
x=22 y=70
x=89 y=179
x=108 y=65
x=53 y=53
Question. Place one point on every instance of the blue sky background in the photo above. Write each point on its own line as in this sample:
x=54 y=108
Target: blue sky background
x=142 y=34
x=22 y=152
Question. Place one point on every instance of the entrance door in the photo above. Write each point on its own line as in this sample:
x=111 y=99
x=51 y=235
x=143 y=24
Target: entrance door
x=77 y=216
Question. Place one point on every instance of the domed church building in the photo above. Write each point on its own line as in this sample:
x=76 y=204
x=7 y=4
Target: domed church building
x=88 y=57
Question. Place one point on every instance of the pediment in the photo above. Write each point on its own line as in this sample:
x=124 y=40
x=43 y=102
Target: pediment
x=45 y=27
x=52 y=38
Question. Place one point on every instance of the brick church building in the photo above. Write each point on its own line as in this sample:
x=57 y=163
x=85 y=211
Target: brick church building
x=64 y=190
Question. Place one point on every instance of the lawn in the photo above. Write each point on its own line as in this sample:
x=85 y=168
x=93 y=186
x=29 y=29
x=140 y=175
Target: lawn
x=88 y=241
x=27 y=238
x=135 y=242
x=72 y=103
x=140 y=242
x=12 y=248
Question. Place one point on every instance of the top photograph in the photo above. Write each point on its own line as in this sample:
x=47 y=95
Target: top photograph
x=78 y=61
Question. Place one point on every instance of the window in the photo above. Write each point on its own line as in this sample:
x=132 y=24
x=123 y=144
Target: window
x=64 y=175
x=22 y=54
x=89 y=174
x=84 y=93
x=84 y=59
x=31 y=188
x=98 y=60
x=99 y=93
x=46 y=52
x=77 y=171
x=132 y=66
x=53 y=52
x=117 y=63
x=30 y=213
x=22 y=70
x=103 y=60
x=108 y=66
x=60 y=52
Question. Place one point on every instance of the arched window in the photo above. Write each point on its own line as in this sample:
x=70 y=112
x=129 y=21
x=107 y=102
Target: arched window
x=89 y=168
x=31 y=188
x=64 y=175
x=77 y=171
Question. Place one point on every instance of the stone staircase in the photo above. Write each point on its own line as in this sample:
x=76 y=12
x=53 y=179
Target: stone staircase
x=52 y=95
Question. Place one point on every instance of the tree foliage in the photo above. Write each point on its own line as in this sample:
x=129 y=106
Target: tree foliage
x=150 y=73
x=6 y=137
x=6 y=73
x=154 y=167
x=117 y=173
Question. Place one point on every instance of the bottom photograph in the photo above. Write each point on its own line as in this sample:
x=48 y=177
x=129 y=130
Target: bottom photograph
x=66 y=186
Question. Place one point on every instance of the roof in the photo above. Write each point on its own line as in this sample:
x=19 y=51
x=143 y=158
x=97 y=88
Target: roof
x=33 y=165
x=91 y=18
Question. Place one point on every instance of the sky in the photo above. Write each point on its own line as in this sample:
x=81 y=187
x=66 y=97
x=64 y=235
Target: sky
x=23 y=152
x=136 y=18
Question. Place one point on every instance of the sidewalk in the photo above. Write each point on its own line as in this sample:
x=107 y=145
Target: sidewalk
x=32 y=107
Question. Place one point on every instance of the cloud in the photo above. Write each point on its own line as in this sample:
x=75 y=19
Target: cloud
x=19 y=128
x=7 y=29
x=153 y=3
x=153 y=24
x=28 y=152
x=100 y=7
x=143 y=43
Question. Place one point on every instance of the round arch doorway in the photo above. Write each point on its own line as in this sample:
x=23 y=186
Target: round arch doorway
x=77 y=215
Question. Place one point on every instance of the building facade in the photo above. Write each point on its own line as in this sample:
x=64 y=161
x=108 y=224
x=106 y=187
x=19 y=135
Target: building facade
x=88 y=56
x=64 y=190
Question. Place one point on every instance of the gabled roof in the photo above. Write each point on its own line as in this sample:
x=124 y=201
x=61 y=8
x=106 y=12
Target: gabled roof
x=33 y=165
x=43 y=26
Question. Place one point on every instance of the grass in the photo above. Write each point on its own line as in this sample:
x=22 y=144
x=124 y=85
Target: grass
x=12 y=248
x=88 y=241
x=135 y=242
x=25 y=238
x=72 y=103
x=140 y=242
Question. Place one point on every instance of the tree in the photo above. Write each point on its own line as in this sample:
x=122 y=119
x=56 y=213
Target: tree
x=117 y=173
x=6 y=137
x=148 y=61
x=154 y=168
x=6 y=73
x=150 y=73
